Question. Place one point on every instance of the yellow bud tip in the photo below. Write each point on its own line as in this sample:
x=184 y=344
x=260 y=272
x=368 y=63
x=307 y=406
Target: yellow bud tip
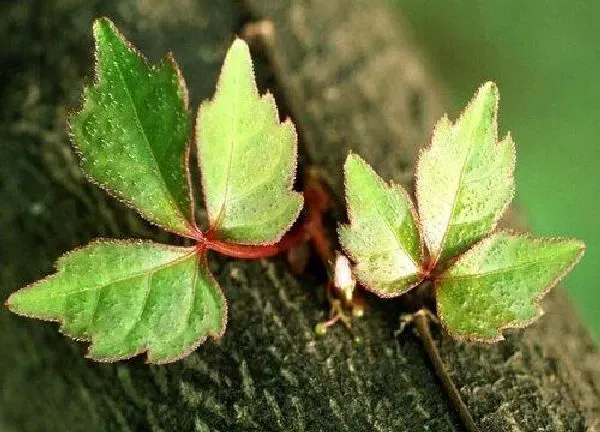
x=358 y=311
x=320 y=329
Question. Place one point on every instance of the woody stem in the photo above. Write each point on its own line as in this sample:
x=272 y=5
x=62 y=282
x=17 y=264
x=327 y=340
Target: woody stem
x=422 y=324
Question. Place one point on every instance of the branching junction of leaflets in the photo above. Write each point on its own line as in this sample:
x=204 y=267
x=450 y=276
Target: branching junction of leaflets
x=133 y=134
x=483 y=281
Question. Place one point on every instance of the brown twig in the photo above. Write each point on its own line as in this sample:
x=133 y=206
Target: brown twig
x=421 y=319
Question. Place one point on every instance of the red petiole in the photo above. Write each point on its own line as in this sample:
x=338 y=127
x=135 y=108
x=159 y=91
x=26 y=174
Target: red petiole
x=317 y=202
x=292 y=238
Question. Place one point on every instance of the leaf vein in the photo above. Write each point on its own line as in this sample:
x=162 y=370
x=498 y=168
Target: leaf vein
x=454 y=201
x=234 y=115
x=122 y=279
x=494 y=272
x=395 y=235
x=145 y=135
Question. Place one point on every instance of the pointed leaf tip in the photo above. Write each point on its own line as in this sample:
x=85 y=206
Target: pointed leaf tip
x=240 y=49
x=488 y=91
x=238 y=56
x=353 y=163
x=484 y=105
x=247 y=158
x=499 y=282
x=101 y=25
x=128 y=298
x=464 y=178
x=132 y=131
x=382 y=237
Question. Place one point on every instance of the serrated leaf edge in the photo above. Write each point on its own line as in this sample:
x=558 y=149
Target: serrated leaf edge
x=191 y=222
x=537 y=300
x=507 y=140
x=267 y=96
x=399 y=188
x=100 y=241
x=215 y=336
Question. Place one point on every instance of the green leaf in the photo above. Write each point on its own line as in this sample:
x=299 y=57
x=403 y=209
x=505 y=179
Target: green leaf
x=133 y=131
x=247 y=158
x=128 y=298
x=499 y=282
x=465 y=178
x=382 y=238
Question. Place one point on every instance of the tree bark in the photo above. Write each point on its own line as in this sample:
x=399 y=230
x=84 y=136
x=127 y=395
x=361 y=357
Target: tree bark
x=350 y=77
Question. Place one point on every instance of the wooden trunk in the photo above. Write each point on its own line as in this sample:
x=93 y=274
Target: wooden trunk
x=350 y=77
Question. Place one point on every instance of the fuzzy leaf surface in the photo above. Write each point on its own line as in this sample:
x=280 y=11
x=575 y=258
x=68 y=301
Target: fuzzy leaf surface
x=133 y=130
x=465 y=178
x=382 y=238
x=498 y=283
x=128 y=298
x=247 y=158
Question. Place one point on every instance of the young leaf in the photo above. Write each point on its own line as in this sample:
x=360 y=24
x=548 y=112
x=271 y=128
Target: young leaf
x=128 y=298
x=247 y=158
x=383 y=237
x=465 y=178
x=498 y=283
x=133 y=130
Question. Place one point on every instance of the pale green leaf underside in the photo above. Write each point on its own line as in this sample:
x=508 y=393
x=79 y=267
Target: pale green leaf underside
x=498 y=283
x=247 y=158
x=383 y=237
x=129 y=297
x=465 y=178
x=133 y=131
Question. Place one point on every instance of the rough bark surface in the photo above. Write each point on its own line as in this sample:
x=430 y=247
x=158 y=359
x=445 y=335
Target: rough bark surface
x=352 y=80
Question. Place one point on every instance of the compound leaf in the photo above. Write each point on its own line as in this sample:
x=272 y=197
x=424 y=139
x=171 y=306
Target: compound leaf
x=133 y=131
x=498 y=283
x=465 y=178
x=382 y=238
x=247 y=158
x=128 y=298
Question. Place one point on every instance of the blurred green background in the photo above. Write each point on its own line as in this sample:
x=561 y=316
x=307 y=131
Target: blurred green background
x=545 y=57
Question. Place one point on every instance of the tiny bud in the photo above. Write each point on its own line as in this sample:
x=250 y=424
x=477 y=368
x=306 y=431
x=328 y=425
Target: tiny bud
x=342 y=278
x=358 y=311
x=320 y=329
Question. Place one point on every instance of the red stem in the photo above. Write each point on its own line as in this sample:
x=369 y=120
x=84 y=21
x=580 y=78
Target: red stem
x=317 y=202
x=292 y=238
